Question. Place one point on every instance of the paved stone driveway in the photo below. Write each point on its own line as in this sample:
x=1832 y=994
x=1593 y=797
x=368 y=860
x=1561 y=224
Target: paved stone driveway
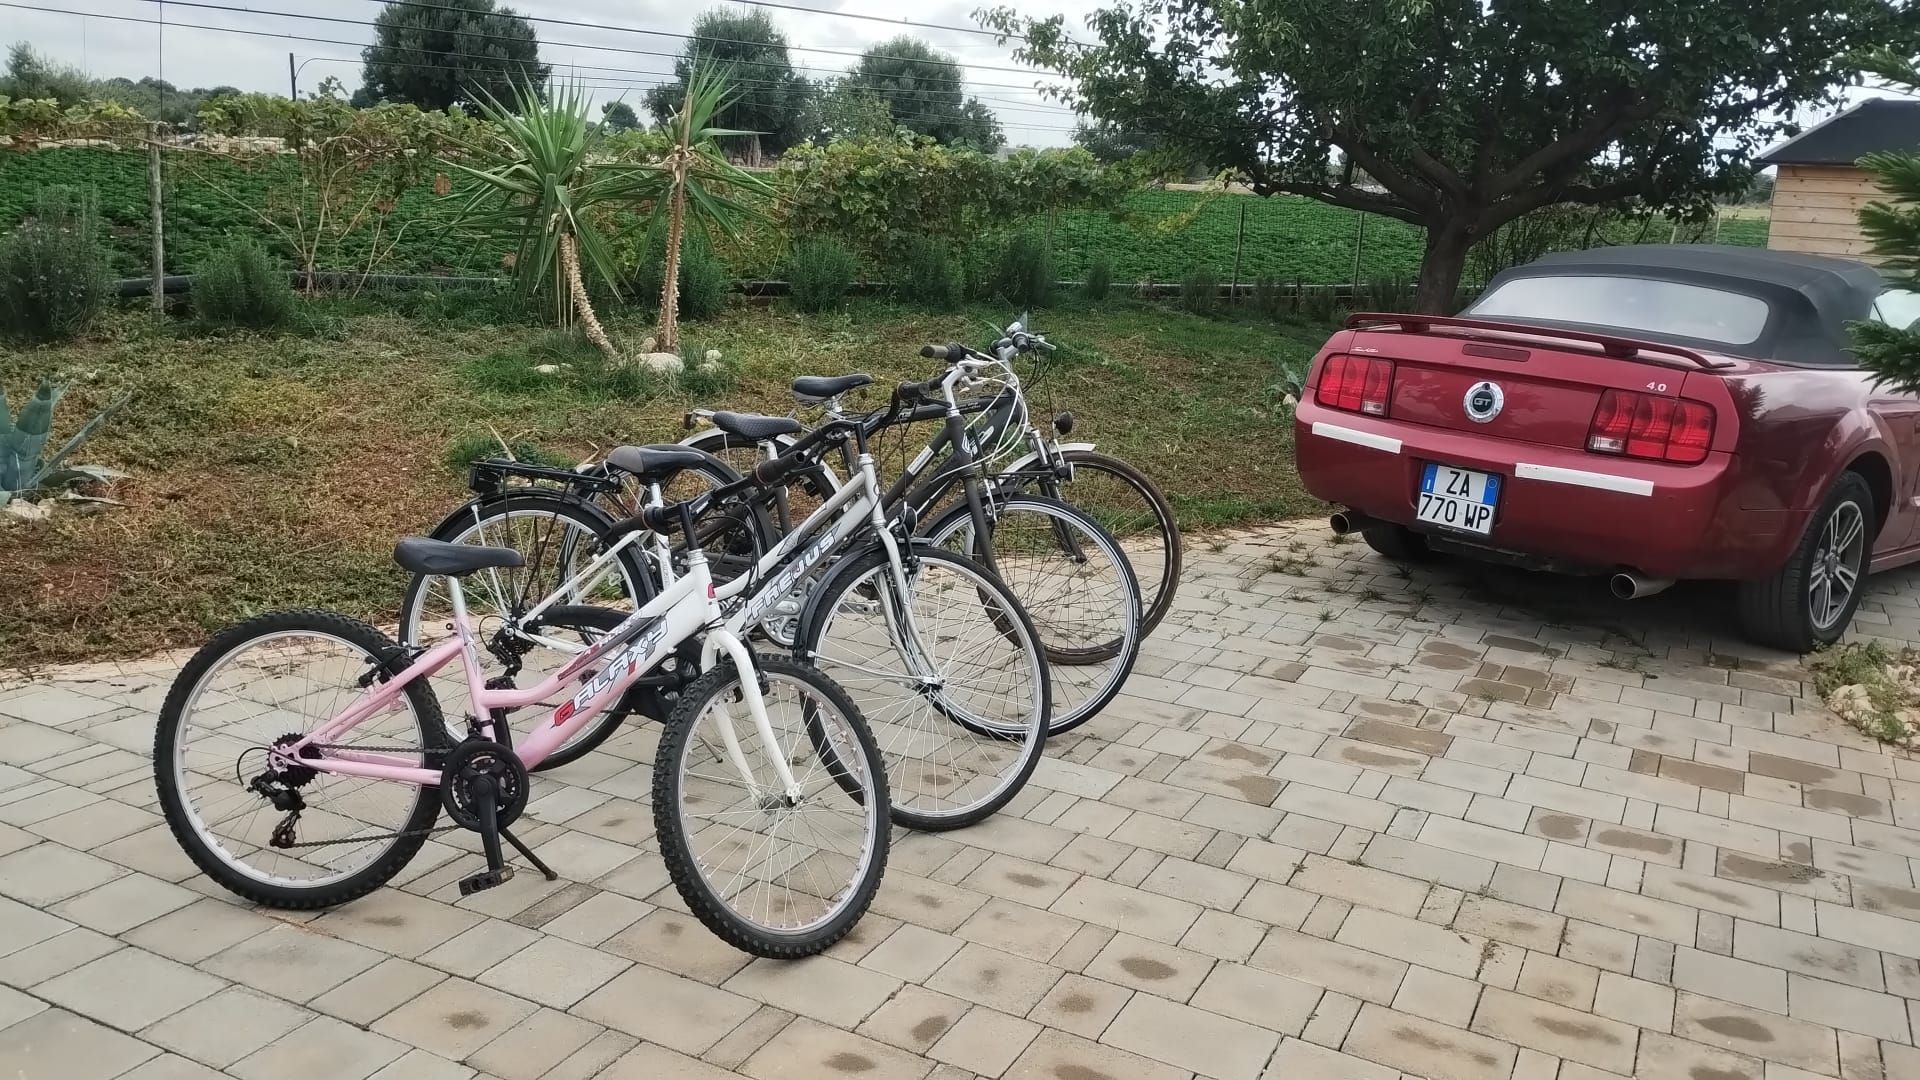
x=1347 y=825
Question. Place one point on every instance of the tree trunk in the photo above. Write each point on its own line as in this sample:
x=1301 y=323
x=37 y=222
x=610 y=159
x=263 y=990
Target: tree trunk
x=1440 y=268
x=669 y=336
x=582 y=307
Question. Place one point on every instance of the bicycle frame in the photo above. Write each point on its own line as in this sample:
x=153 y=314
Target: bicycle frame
x=679 y=612
x=799 y=552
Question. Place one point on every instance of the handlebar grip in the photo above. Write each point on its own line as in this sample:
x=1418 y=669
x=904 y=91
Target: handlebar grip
x=774 y=470
x=952 y=352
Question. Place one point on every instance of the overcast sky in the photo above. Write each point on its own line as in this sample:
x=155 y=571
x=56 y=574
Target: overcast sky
x=187 y=56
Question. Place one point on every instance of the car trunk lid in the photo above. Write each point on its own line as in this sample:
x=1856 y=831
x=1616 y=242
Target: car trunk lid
x=1530 y=384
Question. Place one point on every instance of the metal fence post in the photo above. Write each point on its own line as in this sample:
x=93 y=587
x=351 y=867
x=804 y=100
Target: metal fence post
x=1359 y=243
x=155 y=211
x=1239 y=245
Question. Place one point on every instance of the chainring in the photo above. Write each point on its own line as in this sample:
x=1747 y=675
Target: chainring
x=468 y=762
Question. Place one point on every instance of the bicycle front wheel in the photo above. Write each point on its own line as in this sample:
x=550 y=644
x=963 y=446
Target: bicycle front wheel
x=1070 y=575
x=950 y=673
x=771 y=873
x=266 y=683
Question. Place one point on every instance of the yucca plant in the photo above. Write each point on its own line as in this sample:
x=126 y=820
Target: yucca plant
x=23 y=440
x=698 y=182
x=541 y=189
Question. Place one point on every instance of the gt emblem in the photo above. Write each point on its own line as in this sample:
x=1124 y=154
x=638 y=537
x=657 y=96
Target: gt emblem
x=1484 y=401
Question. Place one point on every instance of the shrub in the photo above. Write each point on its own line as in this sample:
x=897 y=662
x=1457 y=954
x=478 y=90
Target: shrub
x=239 y=284
x=1200 y=291
x=53 y=268
x=819 y=275
x=928 y=277
x=1026 y=271
x=704 y=279
x=1098 y=280
x=1269 y=296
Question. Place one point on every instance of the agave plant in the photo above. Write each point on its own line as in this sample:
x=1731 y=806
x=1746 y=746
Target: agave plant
x=541 y=189
x=698 y=182
x=23 y=439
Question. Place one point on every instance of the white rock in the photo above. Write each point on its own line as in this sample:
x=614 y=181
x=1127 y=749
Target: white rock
x=547 y=369
x=713 y=356
x=24 y=510
x=661 y=363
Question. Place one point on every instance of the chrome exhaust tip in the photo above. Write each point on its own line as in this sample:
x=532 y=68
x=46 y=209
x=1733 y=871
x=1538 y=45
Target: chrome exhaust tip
x=1346 y=522
x=1627 y=585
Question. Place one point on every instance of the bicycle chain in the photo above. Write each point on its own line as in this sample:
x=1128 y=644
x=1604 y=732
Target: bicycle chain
x=283 y=840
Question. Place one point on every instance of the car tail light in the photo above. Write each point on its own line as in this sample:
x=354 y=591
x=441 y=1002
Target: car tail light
x=1651 y=427
x=1359 y=384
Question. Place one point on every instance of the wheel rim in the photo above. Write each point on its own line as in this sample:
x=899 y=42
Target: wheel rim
x=952 y=749
x=556 y=547
x=1133 y=519
x=1837 y=559
x=787 y=870
x=1085 y=610
x=268 y=687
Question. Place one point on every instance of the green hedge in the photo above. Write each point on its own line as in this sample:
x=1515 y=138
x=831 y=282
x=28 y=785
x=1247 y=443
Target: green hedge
x=1155 y=235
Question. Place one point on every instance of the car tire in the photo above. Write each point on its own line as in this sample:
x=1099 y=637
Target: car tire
x=1398 y=543
x=1780 y=611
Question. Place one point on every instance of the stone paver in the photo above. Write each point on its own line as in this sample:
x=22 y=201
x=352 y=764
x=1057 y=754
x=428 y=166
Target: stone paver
x=1346 y=822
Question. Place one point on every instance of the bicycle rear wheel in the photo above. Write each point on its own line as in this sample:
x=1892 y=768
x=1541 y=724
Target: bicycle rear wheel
x=1128 y=505
x=559 y=534
x=961 y=710
x=774 y=876
x=270 y=681
x=1072 y=578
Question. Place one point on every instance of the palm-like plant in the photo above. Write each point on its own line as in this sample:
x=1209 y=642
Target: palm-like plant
x=541 y=189
x=699 y=182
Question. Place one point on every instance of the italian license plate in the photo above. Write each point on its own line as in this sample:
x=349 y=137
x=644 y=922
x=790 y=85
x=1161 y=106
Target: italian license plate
x=1458 y=498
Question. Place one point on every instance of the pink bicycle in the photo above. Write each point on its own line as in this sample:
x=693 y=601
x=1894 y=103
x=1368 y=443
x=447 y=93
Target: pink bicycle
x=302 y=760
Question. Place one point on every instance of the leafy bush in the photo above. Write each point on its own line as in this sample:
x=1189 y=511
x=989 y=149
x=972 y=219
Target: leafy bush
x=1097 y=280
x=879 y=195
x=1269 y=296
x=928 y=277
x=240 y=284
x=1200 y=291
x=704 y=279
x=1026 y=271
x=53 y=269
x=820 y=273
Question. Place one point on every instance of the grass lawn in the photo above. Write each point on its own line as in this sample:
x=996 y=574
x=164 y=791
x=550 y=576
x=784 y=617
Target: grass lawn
x=278 y=471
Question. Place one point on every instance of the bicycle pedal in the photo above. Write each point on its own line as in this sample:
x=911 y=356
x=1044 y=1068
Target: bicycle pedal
x=485 y=879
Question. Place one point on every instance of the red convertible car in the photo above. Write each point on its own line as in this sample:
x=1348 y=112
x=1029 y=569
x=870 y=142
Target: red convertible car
x=1651 y=413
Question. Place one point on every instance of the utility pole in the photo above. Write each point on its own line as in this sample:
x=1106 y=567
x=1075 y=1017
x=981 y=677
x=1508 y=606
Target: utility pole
x=293 y=79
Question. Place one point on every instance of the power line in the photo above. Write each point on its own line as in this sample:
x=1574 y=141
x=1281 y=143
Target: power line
x=658 y=78
x=599 y=82
x=880 y=19
x=602 y=27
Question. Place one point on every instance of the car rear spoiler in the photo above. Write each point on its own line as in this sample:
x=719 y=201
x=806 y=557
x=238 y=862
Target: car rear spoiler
x=1620 y=347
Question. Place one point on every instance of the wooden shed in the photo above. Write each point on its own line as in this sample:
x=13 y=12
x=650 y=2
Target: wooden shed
x=1819 y=191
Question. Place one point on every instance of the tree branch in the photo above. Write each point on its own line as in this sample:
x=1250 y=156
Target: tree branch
x=1598 y=131
x=1353 y=198
x=1416 y=197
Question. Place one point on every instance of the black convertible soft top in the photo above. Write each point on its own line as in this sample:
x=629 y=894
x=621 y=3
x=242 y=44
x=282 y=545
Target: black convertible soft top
x=1810 y=298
